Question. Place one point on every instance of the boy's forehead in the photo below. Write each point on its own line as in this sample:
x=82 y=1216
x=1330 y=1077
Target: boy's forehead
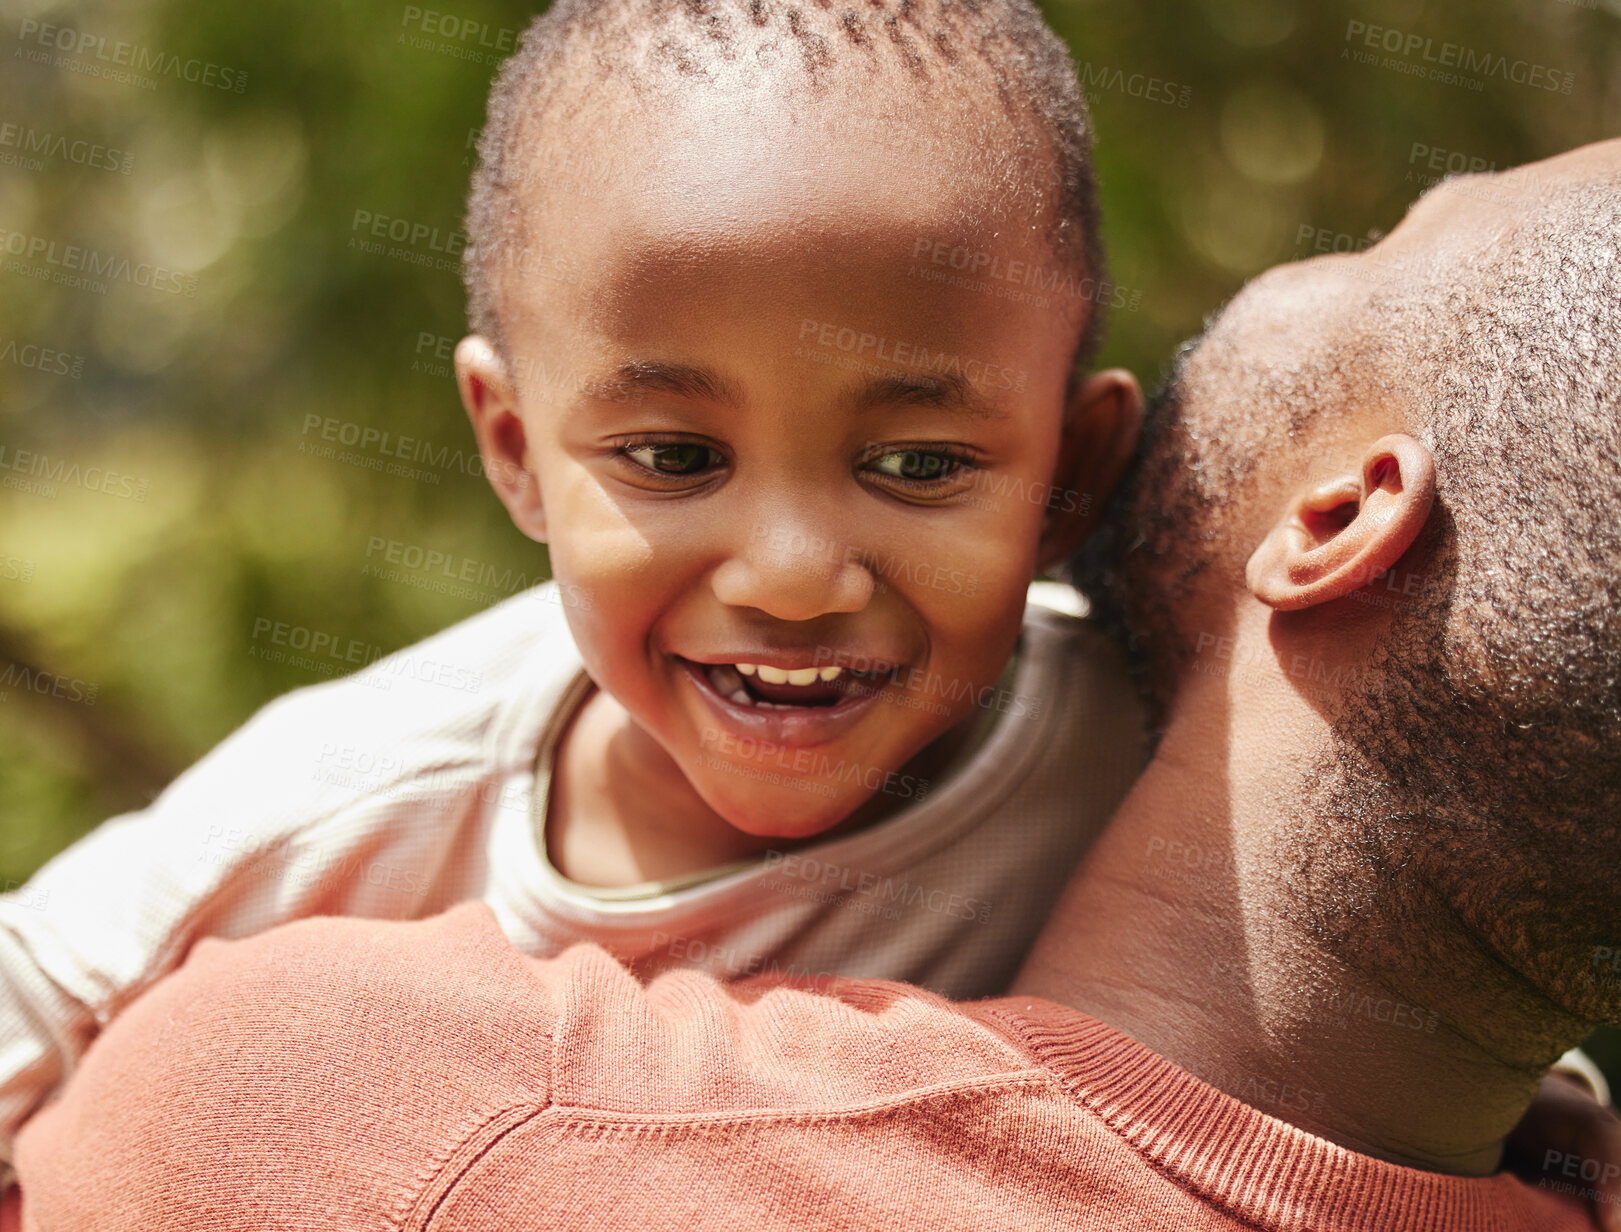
x=625 y=196
x=705 y=153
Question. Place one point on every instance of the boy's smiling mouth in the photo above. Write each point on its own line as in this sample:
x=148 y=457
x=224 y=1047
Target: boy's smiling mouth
x=762 y=699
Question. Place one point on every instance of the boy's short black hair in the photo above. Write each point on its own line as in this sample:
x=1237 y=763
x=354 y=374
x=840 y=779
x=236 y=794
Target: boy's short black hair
x=637 y=45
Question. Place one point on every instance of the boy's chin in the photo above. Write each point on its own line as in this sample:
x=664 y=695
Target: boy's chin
x=786 y=814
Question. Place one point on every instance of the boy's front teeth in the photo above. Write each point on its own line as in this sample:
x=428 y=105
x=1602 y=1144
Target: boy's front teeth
x=799 y=675
x=727 y=679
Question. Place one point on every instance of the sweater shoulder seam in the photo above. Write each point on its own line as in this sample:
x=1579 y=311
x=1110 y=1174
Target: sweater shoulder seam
x=420 y=1199
x=665 y=1120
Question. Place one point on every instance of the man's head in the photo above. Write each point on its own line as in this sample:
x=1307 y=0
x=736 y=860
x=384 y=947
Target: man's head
x=1425 y=440
x=779 y=310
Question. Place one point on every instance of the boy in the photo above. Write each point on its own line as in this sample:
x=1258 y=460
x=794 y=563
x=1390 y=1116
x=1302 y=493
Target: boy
x=819 y=426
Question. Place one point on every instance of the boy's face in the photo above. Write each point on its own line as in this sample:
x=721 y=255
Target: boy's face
x=769 y=402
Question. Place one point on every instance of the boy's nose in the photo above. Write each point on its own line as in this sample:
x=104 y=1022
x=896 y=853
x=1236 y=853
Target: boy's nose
x=794 y=570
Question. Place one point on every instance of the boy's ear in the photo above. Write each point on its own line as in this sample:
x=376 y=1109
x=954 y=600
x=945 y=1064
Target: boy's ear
x=1101 y=424
x=491 y=400
x=1337 y=536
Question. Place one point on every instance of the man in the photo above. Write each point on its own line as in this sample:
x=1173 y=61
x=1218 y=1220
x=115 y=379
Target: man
x=1310 y=978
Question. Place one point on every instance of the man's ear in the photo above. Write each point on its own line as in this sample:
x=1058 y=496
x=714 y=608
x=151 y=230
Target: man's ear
x=491 y=400
x=1336 y=537
x=1101 y=424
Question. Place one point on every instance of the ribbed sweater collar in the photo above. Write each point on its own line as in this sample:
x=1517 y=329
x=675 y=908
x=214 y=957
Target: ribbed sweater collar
x=1245 y=1162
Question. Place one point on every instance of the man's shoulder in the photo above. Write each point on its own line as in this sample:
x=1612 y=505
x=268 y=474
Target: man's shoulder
x=582 y=1029
x=314 y=1067
x=781 y=1101
x=772 y=1045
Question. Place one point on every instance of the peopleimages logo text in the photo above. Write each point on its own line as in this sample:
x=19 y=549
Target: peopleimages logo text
x=1457 y=56
x=75 y=260
x=132 y=55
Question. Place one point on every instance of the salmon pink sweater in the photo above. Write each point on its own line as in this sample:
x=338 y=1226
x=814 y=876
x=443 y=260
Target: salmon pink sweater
x=350 y=1074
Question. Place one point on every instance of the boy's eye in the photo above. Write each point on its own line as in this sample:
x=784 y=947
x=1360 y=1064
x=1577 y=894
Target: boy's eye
x=671 y=459
x=923 y=466
x=918 y=464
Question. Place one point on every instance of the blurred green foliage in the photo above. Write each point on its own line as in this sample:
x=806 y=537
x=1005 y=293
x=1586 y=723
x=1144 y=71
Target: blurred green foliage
x=1232 y=134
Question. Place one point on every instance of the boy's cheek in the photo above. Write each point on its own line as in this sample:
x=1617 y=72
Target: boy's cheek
x=597 y=552
x=976 y=578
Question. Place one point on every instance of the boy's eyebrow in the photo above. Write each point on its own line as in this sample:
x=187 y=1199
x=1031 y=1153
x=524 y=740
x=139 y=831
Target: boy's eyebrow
x=629 y=381
x=949 y=391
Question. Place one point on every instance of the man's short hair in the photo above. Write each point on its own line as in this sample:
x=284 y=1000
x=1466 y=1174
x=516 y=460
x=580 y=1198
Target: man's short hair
x=625 y=49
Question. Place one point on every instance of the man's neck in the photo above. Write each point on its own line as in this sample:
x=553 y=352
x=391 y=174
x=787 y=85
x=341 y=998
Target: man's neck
x=1183 y=931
